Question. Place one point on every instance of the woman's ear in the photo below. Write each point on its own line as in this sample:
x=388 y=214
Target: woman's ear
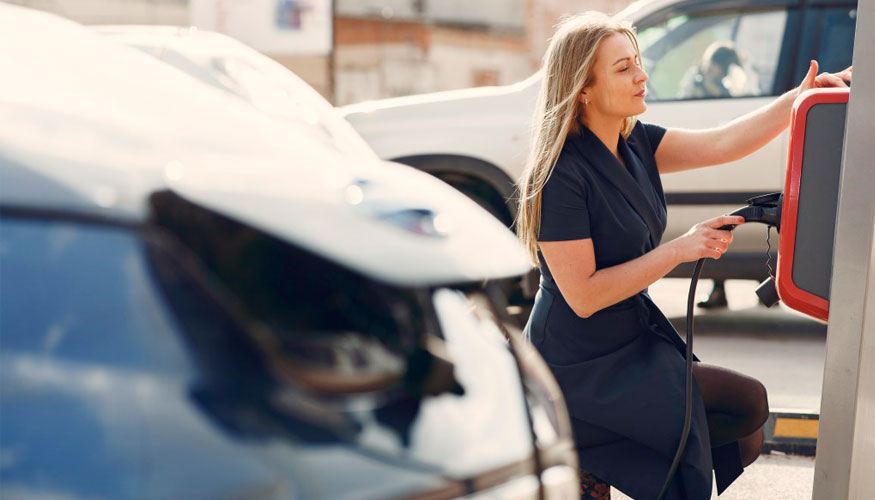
x=584 y=98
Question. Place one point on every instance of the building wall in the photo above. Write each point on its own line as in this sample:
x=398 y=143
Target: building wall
x=389 y=48
x=172 y=12
x=376 y=58
x=496 y=14
x=543 y=15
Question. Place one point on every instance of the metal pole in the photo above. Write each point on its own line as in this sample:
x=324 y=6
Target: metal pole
x=845 y=466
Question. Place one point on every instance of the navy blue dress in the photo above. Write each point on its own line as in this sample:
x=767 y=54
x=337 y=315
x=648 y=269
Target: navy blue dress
x=622 y=369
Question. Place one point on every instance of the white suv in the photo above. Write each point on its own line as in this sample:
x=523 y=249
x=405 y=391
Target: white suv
x=477 y=139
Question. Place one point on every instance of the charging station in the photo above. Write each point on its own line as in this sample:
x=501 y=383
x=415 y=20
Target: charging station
x=845 y=461
x=811 y=190
x=826 y=262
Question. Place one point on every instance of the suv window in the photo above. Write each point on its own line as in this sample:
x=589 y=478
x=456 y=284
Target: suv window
x=721 y=55
x=83 y=293
x=835 y=44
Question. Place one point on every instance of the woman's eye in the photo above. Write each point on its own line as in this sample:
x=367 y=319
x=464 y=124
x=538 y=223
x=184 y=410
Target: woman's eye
x=624 y=68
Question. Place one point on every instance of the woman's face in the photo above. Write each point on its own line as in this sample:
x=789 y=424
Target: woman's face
x=618 y=88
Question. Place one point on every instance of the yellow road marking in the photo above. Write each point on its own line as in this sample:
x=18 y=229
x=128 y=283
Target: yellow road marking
x=796 y=427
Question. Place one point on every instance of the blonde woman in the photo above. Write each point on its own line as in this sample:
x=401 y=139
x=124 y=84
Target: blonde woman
x=592 y=213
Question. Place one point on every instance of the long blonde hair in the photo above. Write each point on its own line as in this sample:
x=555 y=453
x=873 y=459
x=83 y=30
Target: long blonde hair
x=567 y=69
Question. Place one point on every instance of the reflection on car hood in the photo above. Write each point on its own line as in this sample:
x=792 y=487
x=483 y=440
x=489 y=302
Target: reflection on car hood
x=100 y=126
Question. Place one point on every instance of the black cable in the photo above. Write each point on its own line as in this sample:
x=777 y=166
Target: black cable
x=763 y=209
x=688 y=413
x=769 y=252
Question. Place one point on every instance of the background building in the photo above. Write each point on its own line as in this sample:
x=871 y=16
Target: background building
x=381 y=48
x=388 y=48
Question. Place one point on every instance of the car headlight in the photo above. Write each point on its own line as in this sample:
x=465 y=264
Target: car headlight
x=549 y=415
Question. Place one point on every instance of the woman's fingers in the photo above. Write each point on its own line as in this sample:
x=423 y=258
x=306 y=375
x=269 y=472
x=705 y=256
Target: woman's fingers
x=824 y=80
x=808 y=81
x=724 y=220
x=720 y=235
x=716 y=248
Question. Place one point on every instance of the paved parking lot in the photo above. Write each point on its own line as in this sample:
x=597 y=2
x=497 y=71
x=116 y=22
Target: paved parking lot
x=780 y=347
x=771 y=477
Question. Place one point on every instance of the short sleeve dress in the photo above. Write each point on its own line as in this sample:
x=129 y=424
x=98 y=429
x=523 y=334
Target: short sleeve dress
x=621 y=369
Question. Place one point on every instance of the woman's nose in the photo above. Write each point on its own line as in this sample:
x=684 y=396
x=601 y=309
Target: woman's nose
x=642 y=76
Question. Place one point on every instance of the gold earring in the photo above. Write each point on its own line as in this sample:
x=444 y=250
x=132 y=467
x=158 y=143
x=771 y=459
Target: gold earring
x=585 y=101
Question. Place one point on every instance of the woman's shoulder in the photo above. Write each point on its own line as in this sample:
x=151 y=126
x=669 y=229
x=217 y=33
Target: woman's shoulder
x=568 y=172
x=571 y=162
x=647 y=134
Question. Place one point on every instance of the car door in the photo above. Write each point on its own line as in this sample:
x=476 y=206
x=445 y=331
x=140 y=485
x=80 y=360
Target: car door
x=827 y=35
x=678 y=44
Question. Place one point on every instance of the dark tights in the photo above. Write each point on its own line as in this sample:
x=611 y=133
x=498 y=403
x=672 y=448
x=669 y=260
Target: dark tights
x=736 y=406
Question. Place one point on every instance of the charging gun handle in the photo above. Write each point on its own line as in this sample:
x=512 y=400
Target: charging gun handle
x=751 y=213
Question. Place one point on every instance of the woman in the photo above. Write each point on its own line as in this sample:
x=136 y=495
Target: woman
x=592 y=213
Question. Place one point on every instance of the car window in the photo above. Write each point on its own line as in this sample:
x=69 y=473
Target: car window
x=83 y=293
x=836 y=41
x=712 y=56
x=310 y=311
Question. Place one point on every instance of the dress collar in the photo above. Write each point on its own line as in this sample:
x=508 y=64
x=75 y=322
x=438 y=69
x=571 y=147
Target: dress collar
x=632 y=181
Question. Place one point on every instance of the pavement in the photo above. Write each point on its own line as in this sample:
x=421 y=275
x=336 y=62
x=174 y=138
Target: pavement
x=782 y=348
x=771 y=477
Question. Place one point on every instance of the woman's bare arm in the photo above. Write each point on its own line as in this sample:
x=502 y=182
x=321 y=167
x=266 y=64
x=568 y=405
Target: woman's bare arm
x=682 y=149
x=572 y=264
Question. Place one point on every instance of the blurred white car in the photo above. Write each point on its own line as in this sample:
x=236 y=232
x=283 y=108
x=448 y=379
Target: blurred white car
x=225 y=63
x=199 y=301
x=477 y=139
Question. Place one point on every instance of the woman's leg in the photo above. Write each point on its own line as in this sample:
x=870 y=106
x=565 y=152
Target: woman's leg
x=736 y=405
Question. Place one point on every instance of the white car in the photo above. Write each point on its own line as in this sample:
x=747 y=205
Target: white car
x=227 y=64
x=200 y=301
x=477 y=139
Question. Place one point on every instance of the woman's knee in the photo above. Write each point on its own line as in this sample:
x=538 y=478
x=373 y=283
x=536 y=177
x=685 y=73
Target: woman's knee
x=760 y=407
x=754 y=411
x=751 y=447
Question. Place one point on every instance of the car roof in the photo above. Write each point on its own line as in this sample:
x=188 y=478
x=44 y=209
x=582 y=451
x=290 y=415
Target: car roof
x=99 y=127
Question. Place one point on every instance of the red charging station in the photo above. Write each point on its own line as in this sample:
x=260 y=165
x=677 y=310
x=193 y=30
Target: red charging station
x=807 y=227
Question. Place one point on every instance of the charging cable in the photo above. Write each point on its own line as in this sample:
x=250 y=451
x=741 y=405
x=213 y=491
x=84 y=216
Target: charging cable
x=764 y=209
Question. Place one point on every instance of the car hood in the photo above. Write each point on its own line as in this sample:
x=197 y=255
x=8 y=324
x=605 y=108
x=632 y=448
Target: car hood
x=390 y=221
x=99 y=127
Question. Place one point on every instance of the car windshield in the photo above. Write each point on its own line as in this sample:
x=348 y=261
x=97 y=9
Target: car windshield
x=225 y=63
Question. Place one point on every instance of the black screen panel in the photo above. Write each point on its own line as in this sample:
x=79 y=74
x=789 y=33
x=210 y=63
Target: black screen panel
x=818 y=197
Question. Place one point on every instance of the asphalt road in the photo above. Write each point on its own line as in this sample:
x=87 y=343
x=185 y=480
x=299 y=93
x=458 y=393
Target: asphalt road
x=782 y=348
x=771 y=477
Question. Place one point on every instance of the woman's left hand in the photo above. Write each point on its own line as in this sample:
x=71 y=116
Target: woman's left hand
x=824 y=79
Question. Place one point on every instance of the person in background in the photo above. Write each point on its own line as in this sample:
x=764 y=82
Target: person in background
x=706 y=79
x=592 y=213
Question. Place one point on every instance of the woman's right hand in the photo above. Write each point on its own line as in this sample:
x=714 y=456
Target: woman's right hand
x=705 y=240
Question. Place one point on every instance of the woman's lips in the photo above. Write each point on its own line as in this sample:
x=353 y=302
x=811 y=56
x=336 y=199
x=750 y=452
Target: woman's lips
x=641 y=94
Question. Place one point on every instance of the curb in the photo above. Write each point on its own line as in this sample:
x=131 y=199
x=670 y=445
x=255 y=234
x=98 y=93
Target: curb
x=791 y=431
